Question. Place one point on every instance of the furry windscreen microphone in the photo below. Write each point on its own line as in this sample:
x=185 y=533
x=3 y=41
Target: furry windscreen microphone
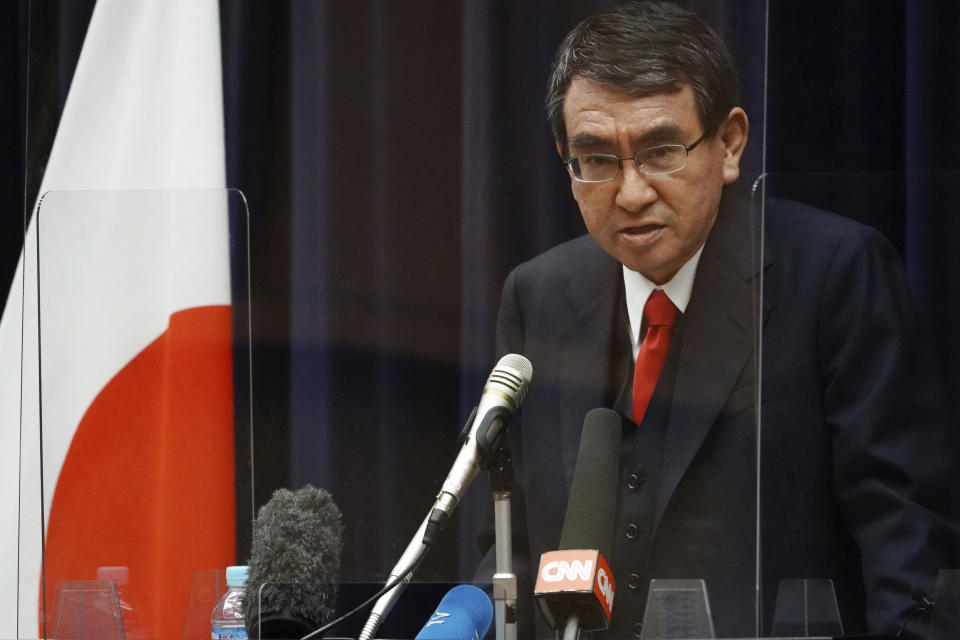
x=294 y=561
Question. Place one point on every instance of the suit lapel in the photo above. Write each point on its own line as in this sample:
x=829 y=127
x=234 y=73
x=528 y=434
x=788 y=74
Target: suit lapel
x=719 y=335
x=594 y=348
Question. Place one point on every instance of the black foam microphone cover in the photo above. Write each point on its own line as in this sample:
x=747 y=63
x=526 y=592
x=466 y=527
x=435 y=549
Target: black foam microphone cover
x=294 y=561
x=592 y=504
x=575 y=587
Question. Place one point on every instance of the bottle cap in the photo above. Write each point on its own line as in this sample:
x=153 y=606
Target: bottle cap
x=237 y=576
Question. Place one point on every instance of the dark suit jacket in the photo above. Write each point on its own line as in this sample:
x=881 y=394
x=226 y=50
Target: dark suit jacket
x=856 y=474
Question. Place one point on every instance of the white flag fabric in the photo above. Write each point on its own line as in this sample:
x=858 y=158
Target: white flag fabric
x=136 y=380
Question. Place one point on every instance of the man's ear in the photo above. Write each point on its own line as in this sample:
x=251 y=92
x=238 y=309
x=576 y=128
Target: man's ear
x=560 y=149
x=733 y=135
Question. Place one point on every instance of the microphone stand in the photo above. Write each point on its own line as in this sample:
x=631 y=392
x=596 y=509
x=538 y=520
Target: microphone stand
x=504 y=580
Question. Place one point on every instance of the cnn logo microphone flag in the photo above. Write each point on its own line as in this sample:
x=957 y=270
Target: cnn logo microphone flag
x=578 y=579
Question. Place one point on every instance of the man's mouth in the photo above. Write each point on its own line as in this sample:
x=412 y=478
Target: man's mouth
x=643 y=229
x=642 y=234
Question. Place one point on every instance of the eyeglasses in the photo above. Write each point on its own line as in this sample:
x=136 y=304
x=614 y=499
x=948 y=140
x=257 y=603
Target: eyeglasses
x=655 y=161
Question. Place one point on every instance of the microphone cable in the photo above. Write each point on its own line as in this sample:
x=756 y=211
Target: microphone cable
x=366 y=603
x=924 y=606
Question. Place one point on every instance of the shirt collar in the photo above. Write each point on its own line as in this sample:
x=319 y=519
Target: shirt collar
x=638 y=289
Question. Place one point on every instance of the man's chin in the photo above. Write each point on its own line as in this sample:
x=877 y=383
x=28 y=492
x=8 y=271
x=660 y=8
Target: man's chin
x=652 y=267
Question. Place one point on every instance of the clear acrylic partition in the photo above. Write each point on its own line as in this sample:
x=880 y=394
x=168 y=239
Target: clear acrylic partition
x=145 y=404
x=858 y=468
x=87 y=609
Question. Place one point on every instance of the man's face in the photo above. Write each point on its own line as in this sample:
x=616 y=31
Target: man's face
x=651 y=224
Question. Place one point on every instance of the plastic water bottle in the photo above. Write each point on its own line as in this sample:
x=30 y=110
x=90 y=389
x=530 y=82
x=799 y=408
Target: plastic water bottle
x=227 y=623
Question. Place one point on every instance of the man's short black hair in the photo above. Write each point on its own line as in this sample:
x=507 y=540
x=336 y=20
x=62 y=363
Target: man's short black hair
x=642 y=49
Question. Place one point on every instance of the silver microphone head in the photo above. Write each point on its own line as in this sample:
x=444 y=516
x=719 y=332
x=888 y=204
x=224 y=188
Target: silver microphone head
x=510 y=378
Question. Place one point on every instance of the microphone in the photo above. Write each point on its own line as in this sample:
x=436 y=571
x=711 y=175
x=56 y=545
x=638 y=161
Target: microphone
x=502 y=394
x=294 y=560
x=504 y=391
x=575 y=586
x=464 y=613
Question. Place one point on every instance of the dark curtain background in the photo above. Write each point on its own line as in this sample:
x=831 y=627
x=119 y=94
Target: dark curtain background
x=397 y=163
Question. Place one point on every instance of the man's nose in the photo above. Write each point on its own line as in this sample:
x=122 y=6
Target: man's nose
x=634 y=191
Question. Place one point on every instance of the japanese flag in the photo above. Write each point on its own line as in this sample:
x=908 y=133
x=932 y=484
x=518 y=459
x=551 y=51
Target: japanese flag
x=115 y=366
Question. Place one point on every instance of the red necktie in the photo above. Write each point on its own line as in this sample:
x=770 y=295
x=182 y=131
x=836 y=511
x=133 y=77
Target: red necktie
x=661 y=315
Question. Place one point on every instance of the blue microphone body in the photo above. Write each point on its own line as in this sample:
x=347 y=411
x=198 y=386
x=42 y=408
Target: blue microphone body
x=464 y=613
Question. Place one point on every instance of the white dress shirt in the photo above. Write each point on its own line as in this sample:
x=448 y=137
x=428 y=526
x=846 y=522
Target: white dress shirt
x=638 y=289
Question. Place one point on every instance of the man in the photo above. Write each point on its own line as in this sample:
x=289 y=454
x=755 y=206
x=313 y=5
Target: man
x=848 y=475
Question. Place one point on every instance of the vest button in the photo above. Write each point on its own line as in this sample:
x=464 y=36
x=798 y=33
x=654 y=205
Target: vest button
x=633 y=581
x=633 y=482
x=637 y=629
x=632 y=531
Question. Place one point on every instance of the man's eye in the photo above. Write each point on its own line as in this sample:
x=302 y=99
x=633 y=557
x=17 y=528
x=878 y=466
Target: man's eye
x=662 y=158
x=659 y=153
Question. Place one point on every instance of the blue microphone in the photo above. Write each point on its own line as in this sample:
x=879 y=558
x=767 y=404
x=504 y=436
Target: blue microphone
x=463 y=614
